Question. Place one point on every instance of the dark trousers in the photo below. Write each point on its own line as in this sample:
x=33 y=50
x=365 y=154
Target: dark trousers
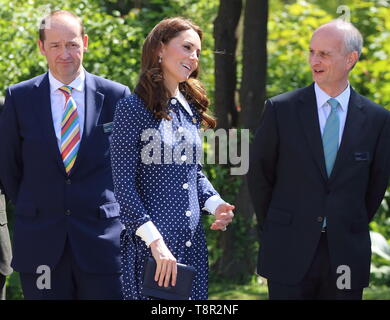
x=318 y=283
x=69 y=282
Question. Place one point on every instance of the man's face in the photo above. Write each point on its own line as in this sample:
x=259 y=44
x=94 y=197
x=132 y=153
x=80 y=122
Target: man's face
x=64 y=47
x=329 y=61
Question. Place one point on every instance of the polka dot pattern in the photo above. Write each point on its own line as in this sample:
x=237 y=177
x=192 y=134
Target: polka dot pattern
x=157 y=177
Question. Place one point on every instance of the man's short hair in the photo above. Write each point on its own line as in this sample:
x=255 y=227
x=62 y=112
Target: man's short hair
x=45 y=22
x=353 y=40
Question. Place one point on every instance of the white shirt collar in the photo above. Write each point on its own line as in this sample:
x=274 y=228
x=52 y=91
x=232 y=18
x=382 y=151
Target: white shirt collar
x=77 y=83
x=323 y=97
x=184 y=102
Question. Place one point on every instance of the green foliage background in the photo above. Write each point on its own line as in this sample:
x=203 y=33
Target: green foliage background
x=115 y=44
x=115 y=39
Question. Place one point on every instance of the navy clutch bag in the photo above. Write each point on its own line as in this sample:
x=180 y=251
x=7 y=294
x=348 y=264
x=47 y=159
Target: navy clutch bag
x=182 y=289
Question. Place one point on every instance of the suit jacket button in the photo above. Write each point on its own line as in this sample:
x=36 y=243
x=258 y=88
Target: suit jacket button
x=68 y=212
x=68 y=181
x=320 y=219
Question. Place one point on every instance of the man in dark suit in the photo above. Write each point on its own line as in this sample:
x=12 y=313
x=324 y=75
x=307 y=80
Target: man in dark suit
x=55 y=167
x=319 y=167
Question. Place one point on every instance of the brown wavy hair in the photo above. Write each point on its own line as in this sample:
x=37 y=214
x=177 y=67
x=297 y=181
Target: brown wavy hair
x=151 y=86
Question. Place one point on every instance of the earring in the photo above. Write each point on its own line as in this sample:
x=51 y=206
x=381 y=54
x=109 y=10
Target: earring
x=159 y=59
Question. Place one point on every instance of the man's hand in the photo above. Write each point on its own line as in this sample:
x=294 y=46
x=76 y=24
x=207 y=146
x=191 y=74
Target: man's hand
x=223 y=216
x=166 y=263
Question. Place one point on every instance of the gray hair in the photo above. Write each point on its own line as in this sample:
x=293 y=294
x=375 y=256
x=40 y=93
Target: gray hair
x=353 y=40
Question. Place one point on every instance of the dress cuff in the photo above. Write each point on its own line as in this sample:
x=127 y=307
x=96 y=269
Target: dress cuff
x=212 y=203
x=148 y=233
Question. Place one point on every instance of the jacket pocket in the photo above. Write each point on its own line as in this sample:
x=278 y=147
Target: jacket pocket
x=109 y=210
x=106 y=128
x=279 y=216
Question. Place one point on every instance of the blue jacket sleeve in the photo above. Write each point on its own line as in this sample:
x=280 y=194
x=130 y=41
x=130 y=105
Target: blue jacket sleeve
x=10 y=149
x=205 y=188
x=125 y=159
x=263 y=162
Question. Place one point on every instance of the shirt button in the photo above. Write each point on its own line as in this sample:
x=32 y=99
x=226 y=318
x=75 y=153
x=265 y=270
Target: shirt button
x=173 y=101
x=180 y=129
x=320 y=219
x=188 y=213
x=183 y=158
x=188 y=243
x=68 y=212
x=185 y=186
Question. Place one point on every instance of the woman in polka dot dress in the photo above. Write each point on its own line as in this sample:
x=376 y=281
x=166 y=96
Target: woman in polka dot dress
x=155 y=153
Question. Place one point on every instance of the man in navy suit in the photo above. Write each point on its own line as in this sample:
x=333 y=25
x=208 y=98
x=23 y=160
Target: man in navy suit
x=319 y=168
x=67 y=230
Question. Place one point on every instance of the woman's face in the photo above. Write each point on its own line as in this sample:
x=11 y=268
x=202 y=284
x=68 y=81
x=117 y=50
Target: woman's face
x=180 y=57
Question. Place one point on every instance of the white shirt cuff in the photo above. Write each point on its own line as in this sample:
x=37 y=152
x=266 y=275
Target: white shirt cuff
x=148 y=233
x=212 y=203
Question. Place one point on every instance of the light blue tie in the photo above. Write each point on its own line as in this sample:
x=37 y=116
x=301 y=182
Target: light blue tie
x=330 y=137
x=330 y=140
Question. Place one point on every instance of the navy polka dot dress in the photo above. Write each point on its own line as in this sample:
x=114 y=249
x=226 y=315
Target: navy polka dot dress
x=157 y=177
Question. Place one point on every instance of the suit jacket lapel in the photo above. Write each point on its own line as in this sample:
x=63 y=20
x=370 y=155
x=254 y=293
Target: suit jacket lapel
x=308 y=114
x=93 y=106
x=42 y=106
x=353 y=124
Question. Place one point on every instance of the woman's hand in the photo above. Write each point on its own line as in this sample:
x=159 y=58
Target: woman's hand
x=166 y=263
x=223 y=216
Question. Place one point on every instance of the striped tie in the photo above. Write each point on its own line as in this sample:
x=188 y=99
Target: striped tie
x=330 y=137
x=70 y=130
